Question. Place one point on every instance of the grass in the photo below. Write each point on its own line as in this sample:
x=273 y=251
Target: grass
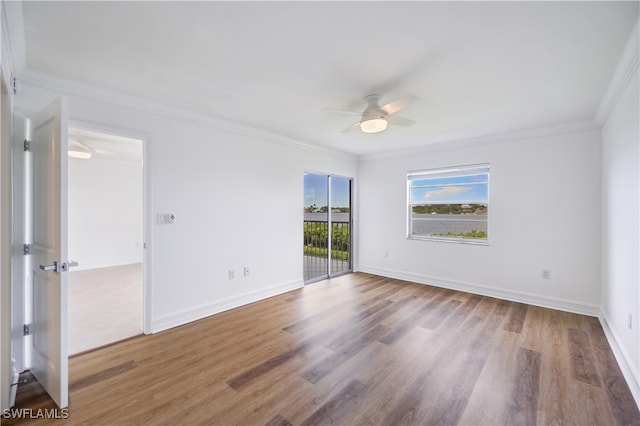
x=471 y=234
x=323 y=251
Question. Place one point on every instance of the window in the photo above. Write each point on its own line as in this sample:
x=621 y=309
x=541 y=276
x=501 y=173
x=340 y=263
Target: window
x=449 y=204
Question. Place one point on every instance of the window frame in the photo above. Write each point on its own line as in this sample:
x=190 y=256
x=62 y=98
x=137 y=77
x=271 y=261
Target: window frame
x=442 y=172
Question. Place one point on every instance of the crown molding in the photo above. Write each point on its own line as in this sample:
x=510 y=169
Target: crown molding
x=508 y=137
x=626 y=68
x=94 y=93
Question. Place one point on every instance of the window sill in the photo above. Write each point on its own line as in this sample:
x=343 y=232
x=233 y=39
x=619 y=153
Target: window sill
x=471 y=241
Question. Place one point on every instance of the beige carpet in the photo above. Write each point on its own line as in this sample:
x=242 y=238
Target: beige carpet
x=105 y=305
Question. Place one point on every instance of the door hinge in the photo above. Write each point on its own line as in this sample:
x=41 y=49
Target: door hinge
x=15 y=85
x=26 y=249
x=26 y=330
x=27 y=145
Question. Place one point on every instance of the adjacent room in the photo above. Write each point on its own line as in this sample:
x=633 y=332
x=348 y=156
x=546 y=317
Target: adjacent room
x=303 y=213
x=105 y=238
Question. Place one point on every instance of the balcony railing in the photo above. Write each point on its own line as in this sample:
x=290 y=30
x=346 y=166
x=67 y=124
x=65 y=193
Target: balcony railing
x=316 y=250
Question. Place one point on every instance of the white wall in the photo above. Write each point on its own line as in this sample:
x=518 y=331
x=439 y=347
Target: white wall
x=544 y=214
x=105 y=213
x=238 y=198
x=621 y=217
x=5 y=246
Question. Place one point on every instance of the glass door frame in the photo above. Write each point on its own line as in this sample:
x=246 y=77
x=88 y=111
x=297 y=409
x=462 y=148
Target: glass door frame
x=329 y=258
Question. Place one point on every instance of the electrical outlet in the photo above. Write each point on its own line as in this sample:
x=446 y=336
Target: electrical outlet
x=246 y=271
x=386 y=253
x=546 y=274
x=232 y=274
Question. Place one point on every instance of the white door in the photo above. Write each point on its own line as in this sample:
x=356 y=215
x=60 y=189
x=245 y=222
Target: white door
x=50 y=364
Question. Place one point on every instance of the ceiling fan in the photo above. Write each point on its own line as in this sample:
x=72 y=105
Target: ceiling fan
x=375 y=118
x=78 y=150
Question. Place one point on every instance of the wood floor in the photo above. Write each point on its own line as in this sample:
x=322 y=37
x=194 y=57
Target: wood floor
x=355 y=350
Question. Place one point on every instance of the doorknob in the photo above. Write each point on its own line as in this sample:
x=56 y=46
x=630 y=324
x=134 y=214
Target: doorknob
x=64 y=267
x=55 y=267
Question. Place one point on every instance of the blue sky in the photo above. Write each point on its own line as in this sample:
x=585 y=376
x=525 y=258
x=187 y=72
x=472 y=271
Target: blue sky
x=315 y=191
x=450 y=190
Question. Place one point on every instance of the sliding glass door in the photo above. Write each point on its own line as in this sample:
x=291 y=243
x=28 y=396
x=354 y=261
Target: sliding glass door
x=327 y=226
x=316 y=230
x=340 y=220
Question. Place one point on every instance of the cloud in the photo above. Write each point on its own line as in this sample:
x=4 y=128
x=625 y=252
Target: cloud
x=448 y=190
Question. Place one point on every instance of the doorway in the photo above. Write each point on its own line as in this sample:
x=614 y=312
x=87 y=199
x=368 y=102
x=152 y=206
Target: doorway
x=106 y=194
x=327 y=226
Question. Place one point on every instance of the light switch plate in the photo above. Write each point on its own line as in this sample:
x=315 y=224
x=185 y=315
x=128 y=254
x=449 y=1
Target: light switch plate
x=165 y=218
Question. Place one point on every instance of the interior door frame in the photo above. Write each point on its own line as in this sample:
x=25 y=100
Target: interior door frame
x=331 y=274
x=21 y=300
x=147 y=288
x=7 y=367
x=21 y=235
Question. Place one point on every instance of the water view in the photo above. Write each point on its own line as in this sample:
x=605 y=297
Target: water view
x=443 y=224
x=323 y=217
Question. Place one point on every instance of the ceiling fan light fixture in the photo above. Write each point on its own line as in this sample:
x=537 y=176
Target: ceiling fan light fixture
x=78 y=150
x=83 y=155
x=374 y=125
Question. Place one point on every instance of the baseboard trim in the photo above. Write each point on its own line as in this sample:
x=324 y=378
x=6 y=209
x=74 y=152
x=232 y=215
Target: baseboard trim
x=110 y=264
x=625 y=363
x=188 y=315
x=514 y=296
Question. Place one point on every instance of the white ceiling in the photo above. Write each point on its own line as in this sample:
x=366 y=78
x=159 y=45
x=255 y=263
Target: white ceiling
x=480 y=68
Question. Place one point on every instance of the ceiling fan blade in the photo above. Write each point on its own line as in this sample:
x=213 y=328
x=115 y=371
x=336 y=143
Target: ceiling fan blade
x=342 y=111
x=353 y=126
x=399 y=121
x=399 y=104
